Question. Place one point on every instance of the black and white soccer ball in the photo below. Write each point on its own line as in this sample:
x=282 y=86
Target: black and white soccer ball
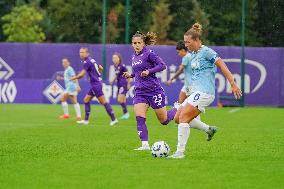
x=160 y=149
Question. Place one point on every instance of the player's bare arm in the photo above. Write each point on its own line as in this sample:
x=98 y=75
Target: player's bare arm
x=180 y=71
x=223 y=67
x=79 y=76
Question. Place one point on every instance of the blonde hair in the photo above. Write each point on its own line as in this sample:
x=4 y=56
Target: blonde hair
x=85 y=48
x=65 y=59
x=149 y=39
x=195 y=31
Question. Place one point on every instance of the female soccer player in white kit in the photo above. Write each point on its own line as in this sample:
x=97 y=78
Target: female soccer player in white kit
x=203 y=61
x=186 y=90
x=71 y=91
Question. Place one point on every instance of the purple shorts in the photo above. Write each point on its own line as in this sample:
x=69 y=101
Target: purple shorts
x=122 y=90
x=156 y=101
x=96 y=90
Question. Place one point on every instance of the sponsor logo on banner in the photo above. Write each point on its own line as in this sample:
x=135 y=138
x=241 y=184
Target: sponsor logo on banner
x=53 y=92
x=8 y=90
x=224 y=85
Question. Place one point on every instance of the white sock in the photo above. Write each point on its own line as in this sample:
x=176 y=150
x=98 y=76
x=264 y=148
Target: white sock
x=183 y=135
x=197 y=124
x=65 y=108
x=145 y=143
x=77 y=109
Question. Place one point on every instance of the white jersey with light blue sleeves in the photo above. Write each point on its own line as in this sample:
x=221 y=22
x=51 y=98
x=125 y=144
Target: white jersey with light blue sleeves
x=69 y=85
x=187 y=70
x=204 y=70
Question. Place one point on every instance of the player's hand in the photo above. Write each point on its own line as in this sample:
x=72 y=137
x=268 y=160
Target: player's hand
x=169 y=82
x=101 y=68
x=110 y=82
x=126 y=75
x=236 y=91
x=59 y=77
x=144 y=73
x=78 y=88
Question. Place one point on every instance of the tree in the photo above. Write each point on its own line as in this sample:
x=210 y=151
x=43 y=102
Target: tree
x=201 y=17
x=225 y=22
x=161 y=21
x=140 y=16
x=182 y=19
x=113 y=28
x=74 y=21
x=270 y=22
x=5 y=7
x=22 y=25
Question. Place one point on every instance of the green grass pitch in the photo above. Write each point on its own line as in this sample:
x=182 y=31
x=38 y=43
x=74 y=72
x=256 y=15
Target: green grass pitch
x=39 y=151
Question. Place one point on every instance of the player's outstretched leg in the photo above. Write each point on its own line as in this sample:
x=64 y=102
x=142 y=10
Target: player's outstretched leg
x=186 y=114
x=211 y=132
x=170 y=115
x=111 y=114
x=65 y=110
x=196 y=123
x=124 y=110
x=78 y=111
x=183 y=135
x=64 y=106
x=87 y=114
x=87 y=101
x=76 y=106
x=109 y=110
x=142 y=131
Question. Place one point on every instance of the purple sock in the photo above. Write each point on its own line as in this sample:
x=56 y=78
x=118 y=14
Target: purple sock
x=170 y=115
x=142 y=128
x=87 y=110
x=109 y=111
x=124 y=108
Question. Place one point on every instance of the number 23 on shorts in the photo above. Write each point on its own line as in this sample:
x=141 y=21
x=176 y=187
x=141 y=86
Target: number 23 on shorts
x=158 y=99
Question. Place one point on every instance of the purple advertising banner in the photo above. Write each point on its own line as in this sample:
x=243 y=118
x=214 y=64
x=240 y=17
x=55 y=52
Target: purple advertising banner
x=26 y=71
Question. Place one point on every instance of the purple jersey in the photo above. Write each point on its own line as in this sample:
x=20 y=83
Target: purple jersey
x=121 y=81
x=147 y=60
x=92 y=68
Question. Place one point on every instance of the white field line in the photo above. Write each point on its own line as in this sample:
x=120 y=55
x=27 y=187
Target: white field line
x=234 y=110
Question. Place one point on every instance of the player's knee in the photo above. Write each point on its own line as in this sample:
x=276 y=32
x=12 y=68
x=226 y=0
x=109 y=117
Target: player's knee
x=163 y=120
x=183 y=117
x=176 y=118
x=119 y=101
x=86 y=100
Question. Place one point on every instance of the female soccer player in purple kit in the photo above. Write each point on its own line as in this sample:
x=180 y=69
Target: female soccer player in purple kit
x=94 y=72
x=123 y=84
x=147 y=88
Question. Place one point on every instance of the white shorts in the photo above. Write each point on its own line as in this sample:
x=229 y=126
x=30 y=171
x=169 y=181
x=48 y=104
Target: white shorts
x=71 y=93
x=199 y=100
x=186 y=90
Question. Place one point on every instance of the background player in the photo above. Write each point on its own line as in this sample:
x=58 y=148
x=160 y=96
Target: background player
x=94 y=72
x=186 y=90
x=71 y=91
x=203 y=63
x=123 y=84
x=147 y=88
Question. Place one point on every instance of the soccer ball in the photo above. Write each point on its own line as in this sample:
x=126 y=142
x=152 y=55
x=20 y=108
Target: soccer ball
x=160 y=149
